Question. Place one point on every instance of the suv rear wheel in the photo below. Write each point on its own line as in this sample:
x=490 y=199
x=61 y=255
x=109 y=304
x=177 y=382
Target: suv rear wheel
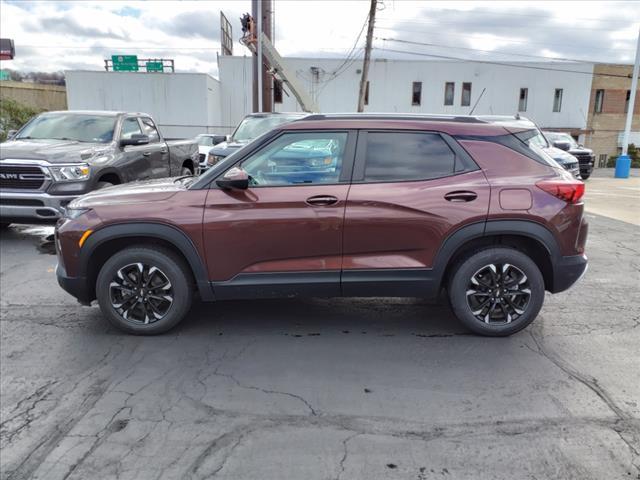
x=496 y=291
x=144 y=291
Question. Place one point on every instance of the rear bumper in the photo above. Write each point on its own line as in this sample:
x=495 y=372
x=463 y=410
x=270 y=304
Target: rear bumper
x=568 y=271
x=76 y=286
x=32 y=207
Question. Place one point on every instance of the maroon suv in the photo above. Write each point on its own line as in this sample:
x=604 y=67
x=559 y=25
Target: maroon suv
x=339 y=205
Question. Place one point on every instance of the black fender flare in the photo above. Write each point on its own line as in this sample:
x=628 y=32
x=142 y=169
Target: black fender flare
x=524 y=228
x=168 y=233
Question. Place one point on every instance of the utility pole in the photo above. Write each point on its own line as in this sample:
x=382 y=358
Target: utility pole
x=367 y=56
x=260 y=59
x=255 y=12
x=623 y=162
x=267 y=79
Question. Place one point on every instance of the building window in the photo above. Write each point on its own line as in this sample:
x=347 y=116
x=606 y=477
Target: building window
x=599 y=100
x=465 y=101
x=626 y=101
x=277 y=91
x=557 y=100
x=522 y=102
x=449 y=90
x=416 y=93
x=366 y=93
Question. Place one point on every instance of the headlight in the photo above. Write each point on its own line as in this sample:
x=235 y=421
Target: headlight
x=213 y=159
x=68 y=173
x=73 y=213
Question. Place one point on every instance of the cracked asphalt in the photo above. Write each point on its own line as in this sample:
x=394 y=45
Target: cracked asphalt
x=322 y=389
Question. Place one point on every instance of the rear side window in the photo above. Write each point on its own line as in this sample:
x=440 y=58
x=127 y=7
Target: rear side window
x=400 y=156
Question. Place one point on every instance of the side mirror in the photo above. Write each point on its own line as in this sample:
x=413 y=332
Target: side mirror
x=234 y=179
x=227 y=138
x=218 y=139
x=136 y=139
x=562 y=145
x=11 y=134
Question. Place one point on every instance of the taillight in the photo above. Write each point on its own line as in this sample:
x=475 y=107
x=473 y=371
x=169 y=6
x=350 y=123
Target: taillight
x=567 y=190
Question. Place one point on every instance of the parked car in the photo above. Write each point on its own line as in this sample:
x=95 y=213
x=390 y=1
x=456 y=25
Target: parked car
x=205 y=141
x=250 y=128
x=535 y=138
x=58 y=156
x=565 y=142
x=411 y=205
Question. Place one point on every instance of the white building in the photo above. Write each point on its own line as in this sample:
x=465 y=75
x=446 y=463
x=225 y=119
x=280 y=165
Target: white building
x=495 y=88
x=182 y=104
x=555 y=95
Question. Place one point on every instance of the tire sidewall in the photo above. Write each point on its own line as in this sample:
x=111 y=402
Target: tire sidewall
x=460 y=281
x=170 y=266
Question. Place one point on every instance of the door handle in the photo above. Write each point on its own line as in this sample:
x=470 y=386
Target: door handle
x=146 y=154
x=321 y=200
x=461 y=196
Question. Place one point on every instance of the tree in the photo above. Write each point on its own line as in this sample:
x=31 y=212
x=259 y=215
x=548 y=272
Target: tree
x=13 y=115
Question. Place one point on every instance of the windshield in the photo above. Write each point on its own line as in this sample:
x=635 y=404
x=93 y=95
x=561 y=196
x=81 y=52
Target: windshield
x=253 y=127
x=205 y=141
x=561 y=137
x=70 y=126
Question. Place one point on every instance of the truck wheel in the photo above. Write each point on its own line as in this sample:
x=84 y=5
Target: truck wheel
x=585 y=175
x=101 y=185
x=144 y=290
x=496 y=291
x=185 y=171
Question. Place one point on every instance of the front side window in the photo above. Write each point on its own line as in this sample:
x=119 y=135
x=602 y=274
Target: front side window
x=398 y=156
x=298 y=159
x=522 y=102
x=252 y=127
x=557 y=100
x=150 y=129
x=465 y=101
x=130 y=127
x=449 y=91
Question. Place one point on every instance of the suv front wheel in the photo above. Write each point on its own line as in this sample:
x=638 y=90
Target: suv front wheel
x=143 y=290
x=496 y=291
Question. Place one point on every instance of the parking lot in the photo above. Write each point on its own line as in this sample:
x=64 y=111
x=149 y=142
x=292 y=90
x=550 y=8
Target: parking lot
x=331 y=388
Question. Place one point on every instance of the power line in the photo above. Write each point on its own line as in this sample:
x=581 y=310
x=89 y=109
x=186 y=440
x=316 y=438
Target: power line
x=512 y=14
x=489 y=62
x=555 y=27
x=399 y=40
x=523 y=42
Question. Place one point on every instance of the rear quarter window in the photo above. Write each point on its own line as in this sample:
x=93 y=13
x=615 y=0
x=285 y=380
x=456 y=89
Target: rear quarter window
x=400 y=156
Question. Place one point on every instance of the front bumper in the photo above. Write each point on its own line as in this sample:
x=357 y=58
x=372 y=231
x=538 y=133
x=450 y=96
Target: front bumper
x=568 y=271
x=32 y=207
x=76 y=286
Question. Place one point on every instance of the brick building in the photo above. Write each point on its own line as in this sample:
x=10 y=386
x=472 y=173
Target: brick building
x=608 y=105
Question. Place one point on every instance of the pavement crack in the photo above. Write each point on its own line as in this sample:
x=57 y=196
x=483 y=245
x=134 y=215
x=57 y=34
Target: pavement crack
x=345 y=453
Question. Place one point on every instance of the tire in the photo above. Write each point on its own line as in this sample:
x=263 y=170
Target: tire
x=514 y=310
x=102 y=185
x=4 y=225
x=585 y=175
x=131 y=315
x=185 y=171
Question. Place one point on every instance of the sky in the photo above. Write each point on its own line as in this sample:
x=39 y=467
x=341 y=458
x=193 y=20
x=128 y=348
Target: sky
x=63 y=35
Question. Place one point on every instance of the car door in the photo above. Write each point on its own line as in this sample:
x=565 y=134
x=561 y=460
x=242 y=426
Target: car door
x=410 y=190
x=135 y=162
x=157 y=150
x=283 y=235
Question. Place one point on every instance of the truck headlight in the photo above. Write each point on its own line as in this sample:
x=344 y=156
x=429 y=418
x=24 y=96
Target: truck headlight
x=213 y=159
x=67 y=173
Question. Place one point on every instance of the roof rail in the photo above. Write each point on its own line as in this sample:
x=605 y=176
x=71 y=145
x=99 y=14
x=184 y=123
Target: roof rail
x=393 y=116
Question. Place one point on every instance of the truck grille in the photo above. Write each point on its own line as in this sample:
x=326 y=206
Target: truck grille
x=21 y=177
x=584 y=158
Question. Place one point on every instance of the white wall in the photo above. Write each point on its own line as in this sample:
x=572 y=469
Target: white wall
x=391 y=83
x=183 y=104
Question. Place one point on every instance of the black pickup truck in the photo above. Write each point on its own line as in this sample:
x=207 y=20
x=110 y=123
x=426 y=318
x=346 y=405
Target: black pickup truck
x=565 y=142
x=58 y=156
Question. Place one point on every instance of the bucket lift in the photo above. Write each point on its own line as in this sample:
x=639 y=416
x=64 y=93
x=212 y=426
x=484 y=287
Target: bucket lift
x=277 y=65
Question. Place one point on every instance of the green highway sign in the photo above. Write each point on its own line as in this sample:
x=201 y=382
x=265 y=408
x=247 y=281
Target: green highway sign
x=155 y=67
x=125 y=63
x=4 y=75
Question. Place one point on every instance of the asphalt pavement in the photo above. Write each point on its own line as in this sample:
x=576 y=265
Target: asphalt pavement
x=321 y=389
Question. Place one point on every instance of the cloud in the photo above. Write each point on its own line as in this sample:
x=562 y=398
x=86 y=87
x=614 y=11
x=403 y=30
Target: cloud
x=69 y=26
x=199 y=23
